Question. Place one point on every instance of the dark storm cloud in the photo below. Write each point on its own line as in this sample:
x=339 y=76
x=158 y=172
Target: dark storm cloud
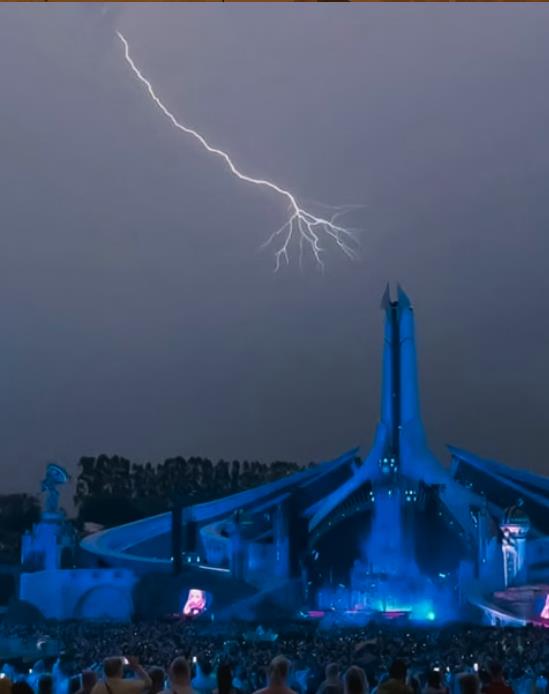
x=138 y=316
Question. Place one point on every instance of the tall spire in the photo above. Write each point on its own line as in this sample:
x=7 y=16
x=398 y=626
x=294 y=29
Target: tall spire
x=386 y=298
x=399 y=393
x=399 y=445
x=388 y=388
x=409 y=390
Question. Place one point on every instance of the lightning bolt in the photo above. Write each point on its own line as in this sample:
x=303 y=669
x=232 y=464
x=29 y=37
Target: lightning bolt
x=301 y=225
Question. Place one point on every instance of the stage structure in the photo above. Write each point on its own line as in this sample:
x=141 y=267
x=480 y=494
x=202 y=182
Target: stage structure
x=391 y=535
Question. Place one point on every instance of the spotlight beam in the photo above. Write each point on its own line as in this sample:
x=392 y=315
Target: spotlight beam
x=301 y=223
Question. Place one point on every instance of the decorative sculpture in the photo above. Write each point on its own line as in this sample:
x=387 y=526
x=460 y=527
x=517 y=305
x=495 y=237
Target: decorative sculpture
x=55 y=476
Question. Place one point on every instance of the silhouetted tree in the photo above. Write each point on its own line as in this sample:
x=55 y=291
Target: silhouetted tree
x=112 y=490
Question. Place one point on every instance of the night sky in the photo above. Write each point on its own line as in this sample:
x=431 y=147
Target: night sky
x=138 y=315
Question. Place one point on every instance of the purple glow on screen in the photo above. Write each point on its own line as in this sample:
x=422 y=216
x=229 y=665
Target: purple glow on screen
x=544 y=614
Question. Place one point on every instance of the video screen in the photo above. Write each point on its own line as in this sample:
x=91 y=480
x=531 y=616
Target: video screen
x=196 y=603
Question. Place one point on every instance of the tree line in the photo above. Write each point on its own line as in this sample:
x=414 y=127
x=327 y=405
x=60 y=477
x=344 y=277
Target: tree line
x=112 y=490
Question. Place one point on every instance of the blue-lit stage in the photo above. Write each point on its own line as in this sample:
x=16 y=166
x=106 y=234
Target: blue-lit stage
x=391 y=535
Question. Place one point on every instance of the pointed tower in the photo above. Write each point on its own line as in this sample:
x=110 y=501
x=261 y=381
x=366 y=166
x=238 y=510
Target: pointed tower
x=399 y=458
x=405 y=444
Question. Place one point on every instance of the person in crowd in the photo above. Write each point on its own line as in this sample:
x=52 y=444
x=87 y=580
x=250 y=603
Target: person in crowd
x=469 y=683
x=158 y=679
x=354 y=681
x=88 y=681
x=435 y=684
x=414 y=684
x=396 y=682
x=60 y=675
x=541 y=684
x=241 y=680
x=524 y=681
x=114 y=682
x=204 y=682
x=299 y=676
x=225 y=684
x=37 y=670
x=180 y=678
x=8 y=671
x=45 y=684
x=279 y=669
x=496 y=683
x=5 y=684
x=332 y=683
x=21 y=687
x=366 y=657
x=74 y=685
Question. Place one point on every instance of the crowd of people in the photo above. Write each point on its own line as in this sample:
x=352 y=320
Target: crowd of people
x=183 y=658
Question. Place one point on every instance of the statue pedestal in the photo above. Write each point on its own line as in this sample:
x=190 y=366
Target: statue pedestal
x=52 y=517
x=42 y=547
